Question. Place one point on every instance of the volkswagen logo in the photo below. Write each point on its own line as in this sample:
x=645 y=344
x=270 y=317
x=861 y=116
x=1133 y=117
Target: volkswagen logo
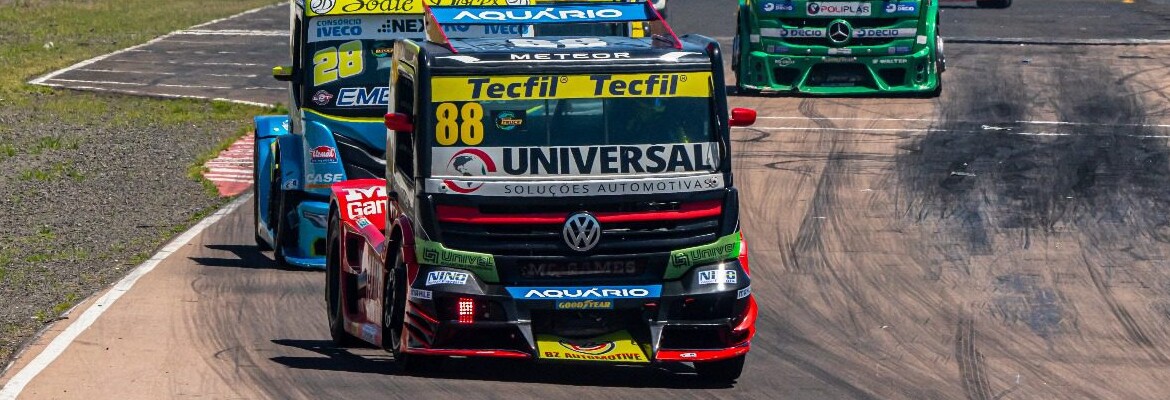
x=840 y=32
x=582 y=231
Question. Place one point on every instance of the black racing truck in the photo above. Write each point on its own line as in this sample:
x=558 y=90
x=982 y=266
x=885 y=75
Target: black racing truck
x=561 y=198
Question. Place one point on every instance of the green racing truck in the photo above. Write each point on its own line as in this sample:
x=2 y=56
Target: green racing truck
x=879 y=47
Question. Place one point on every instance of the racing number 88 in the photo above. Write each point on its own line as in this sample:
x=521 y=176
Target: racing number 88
x=333 y=63
x=449 y=130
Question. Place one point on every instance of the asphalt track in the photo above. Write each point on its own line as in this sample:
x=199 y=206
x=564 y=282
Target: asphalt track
x=1008 y=240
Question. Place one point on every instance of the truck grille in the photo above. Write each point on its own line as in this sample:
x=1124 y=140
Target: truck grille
x=687 y=225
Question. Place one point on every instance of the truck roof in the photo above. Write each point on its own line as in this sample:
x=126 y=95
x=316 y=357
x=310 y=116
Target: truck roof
x=561 y=36
x=617 y=51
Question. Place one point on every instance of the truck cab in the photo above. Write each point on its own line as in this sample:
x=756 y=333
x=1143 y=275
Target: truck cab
x=340 y=63
x=873 y=47
x=562 y=198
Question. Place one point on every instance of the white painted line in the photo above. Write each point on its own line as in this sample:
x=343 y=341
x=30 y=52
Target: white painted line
x=194 y=86
x=122 y=71
x=972 y=122
x=237 y=64
x=220 y=179
x=100 y=82
x=233 y=32
x=55 y=348
x=233 y=75
x=159 y=95
x=42 y=79
x=125 y=71
x=1056 y=41
x=797 y=128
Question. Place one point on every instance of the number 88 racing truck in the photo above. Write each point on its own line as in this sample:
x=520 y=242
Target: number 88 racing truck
x=558 y=198
x=334 y=130
x=876 y=47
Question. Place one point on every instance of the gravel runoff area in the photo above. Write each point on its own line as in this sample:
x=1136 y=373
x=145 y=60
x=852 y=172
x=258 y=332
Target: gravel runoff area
x=81 y=202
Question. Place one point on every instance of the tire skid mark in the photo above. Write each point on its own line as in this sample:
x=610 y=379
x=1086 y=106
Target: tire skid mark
x=972 y=366
x=1133 y=331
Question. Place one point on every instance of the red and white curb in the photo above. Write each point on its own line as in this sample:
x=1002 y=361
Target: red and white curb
x=231 y=171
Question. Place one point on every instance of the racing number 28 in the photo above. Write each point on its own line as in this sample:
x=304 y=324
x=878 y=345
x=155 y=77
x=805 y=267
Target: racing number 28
x=459 y=123
x=333 y=63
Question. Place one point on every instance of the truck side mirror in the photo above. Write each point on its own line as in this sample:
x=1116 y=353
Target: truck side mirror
x=399 y=122
x=283 y=73
x=743 y=117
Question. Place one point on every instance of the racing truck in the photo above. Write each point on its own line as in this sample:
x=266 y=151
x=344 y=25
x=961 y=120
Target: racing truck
x=876 y=47
x=334 y=129
x=556 y=198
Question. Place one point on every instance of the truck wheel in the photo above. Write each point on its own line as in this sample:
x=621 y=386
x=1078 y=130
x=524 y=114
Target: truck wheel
x=261 y=244
x=286 y=200
x=993 y=3
x=394 y=321
x=722 y=371
x=335 y=294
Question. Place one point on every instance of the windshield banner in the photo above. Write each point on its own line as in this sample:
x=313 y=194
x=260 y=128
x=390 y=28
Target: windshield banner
x=541 y=87
x=601 y=187
x=617 y=12
x=386 y=27
x=355 y=7
x=527 y=162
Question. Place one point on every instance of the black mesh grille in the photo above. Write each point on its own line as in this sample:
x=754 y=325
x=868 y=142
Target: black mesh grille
x=546 y=239
x=359 y=160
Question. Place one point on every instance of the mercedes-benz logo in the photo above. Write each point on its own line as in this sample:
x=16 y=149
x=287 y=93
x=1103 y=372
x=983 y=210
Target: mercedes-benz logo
x=840 y=32
x=582 y=231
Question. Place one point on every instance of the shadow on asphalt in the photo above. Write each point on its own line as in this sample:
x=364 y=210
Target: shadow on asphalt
x=245 y=256
x=675 y=376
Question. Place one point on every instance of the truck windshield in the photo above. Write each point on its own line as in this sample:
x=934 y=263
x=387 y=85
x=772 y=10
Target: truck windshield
x=347 y=62
x=574 y=125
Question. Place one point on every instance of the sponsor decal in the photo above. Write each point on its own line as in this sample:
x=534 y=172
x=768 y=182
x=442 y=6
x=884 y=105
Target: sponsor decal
x=718 y=276
x=382 y=49
x=890 y=61
x=586 y=293
x=447 y=278
x=381 y=27
x=899 y=50
x=793 y=32
x=363 y=97
x=468 y=162
x=316 y=181
x=482 y=265
x=575 y=161
x=745 y=292
x=840 y=59
x=322 y=97
x=681 y=261
x=421 y=294
x=369 y=332
x=568 y=56
x=363 y=202
x=615 y=347
x=539 y=87
x=839 y=9
x=509 y=120
x=323 y=154
x=901 y=8
x=784 y=62
x=290 y=184
x=688 y=355
x=846 y=51
x=354 y=7
x=321 y=6
x=601 y=187
x=585 y=305
x=583 y=268
x=564 y=14
x=778 y=7
x=885 y=33
x=363 y=222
